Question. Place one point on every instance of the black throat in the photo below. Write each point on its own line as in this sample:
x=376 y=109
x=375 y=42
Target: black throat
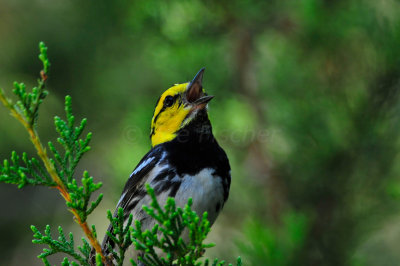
x=195 y=149
x=199 y=130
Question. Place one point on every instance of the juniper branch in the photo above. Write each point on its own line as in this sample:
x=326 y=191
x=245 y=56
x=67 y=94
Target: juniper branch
x=31 y=173
x=60 y=170
x=120 y=234
x=173 y=223
x=61 y=245
x=169 y=233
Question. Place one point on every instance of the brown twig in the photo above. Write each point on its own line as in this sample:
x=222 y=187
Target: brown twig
x=41 y=151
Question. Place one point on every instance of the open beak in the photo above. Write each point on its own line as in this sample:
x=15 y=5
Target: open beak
x=194 y=92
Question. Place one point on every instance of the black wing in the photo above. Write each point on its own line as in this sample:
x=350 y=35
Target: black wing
x=134 y=188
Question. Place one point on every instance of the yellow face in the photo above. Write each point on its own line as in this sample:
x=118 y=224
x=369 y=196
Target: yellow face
x=169 y=114
x=176 y=107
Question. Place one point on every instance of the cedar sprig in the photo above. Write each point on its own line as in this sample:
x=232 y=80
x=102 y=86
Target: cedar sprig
x=173 y=223
x=57 y=172
x=74 y=147
x=120 y=234
x=25 y=172
x=63 y=245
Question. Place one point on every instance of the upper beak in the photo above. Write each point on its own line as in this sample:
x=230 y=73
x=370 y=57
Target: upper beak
x=194 y=91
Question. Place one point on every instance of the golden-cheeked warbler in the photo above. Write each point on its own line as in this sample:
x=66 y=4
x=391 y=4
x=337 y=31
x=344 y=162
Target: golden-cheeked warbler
x=185 y=160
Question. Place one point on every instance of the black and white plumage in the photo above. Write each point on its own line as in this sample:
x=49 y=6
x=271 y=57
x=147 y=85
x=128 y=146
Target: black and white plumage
x=191 y=165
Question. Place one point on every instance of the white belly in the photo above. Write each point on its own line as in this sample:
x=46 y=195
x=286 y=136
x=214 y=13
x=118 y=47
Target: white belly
x=205 y=189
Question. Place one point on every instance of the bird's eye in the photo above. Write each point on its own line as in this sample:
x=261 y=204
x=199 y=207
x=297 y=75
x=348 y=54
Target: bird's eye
x=168 y=101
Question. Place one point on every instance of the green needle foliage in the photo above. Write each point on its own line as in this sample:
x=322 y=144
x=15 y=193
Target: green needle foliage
x=61 y=245
x=80 y=196
x=70 y=140
x=167 y=234
x=121 y=234
x=174 y=224
x=58 y=171
x=65 y=163
x=29 y=102
x=27 y=172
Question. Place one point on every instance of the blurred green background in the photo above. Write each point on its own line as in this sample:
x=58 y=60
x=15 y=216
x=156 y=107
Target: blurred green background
x=307 y=108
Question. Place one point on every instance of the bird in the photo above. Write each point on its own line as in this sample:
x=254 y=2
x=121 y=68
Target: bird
x=185 y=160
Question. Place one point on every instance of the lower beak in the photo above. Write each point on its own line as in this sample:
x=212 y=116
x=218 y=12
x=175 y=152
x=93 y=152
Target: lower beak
x=202 y=102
